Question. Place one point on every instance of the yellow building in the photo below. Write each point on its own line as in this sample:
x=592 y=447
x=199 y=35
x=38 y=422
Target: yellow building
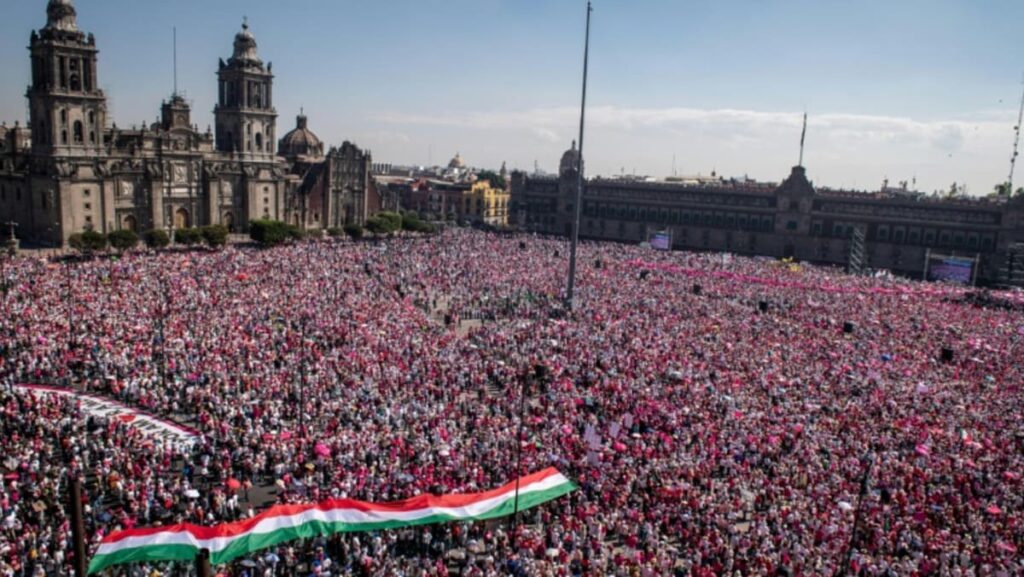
x=487 y=204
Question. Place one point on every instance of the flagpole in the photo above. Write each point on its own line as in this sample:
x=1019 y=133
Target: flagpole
x=570 y=297
x=803 y=135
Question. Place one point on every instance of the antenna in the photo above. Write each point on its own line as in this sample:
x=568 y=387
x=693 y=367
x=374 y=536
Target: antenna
x=175 y=61
x=803 y=135
x=674 y=165
x=1016 y=144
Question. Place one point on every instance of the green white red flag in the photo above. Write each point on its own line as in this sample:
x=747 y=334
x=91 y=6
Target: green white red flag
x=283 y=523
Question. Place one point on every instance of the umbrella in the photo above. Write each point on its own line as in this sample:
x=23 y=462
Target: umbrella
x=192 y=494
x=234 y=484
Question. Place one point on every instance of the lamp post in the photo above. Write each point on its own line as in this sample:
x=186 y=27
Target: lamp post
x=69 y=305
x=540 y=373
x=524 y=381
x=8 y=250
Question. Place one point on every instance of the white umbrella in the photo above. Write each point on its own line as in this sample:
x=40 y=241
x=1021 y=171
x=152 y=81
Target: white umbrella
x=192 y=494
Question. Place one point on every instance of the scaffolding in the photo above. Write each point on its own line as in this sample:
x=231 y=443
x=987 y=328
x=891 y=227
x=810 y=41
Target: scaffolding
x=856 y=263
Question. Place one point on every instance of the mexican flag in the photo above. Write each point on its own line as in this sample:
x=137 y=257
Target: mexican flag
x=288 y=522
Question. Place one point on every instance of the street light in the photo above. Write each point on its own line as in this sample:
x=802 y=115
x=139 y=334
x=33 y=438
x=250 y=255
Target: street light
x=539 y=374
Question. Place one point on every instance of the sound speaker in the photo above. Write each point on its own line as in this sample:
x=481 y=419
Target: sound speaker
x=762 y=306
x=848 y=327
x=644 y=274
x=947 y=355
x=696 y=289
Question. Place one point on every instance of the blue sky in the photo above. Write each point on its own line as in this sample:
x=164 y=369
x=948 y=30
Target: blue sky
x=924 y=89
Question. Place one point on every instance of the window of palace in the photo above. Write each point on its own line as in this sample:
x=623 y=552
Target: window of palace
x=898 y=235
x=914 y=237
x=791 y=225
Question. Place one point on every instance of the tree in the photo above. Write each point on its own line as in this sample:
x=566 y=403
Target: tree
x=215 y=235
x=157 y=238
x=384 y=223
x=269 y=232
x=496 y=180
x=123 y=240
x=88 y=242
x=188 y=236
x=1002 y=189
x=354 y=231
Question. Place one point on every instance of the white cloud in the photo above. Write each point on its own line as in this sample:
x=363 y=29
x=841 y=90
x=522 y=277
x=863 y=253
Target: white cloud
x=842 y=149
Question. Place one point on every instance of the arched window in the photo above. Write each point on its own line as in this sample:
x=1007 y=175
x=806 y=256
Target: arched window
x=92 y=118
x=79 y=132
x=63 y=136
x=63 y=117
x=92 y=137
x=259 y=142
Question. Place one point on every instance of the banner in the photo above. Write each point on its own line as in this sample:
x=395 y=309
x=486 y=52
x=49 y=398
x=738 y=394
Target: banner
x=282 y=523
x=97 y=406
x=661 y=241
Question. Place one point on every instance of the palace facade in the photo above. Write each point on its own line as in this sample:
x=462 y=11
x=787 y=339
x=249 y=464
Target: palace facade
x=895 y=232
x=71 y=170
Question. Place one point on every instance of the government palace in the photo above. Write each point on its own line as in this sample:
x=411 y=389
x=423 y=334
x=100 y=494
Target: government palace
x=890 y=230
x=70 y=171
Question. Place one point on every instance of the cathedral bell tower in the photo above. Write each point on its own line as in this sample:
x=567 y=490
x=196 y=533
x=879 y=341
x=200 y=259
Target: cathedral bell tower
x=67 y=110
x=245 y=115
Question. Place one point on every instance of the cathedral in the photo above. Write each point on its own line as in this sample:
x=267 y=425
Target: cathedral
x=68 y=170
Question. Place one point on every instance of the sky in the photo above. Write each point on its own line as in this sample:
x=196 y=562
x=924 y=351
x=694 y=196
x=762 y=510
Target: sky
x=925 y=91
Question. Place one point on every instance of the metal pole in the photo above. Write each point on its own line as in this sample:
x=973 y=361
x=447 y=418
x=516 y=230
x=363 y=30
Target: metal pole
x=203 y=563
x=570 y=298
x=519 y=457
x=77 y=525
x=69 y=302
x=864 y=481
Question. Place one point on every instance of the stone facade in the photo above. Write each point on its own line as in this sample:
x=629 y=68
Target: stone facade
x=68 y=171
x=790 y=220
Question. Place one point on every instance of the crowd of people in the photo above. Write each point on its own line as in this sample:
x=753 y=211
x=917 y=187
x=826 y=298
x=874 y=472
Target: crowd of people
x=721 y=415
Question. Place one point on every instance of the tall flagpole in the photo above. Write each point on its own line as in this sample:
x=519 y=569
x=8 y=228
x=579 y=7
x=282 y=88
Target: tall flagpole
x=803 y=135
x=175 y=61
x=570 y=299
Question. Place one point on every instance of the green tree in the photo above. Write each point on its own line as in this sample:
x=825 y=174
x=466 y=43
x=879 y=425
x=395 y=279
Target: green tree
x=215 y=235
x=88 y=242
x=188 y=236
x=496 y=180
x=157 y=238
x=354 y=231
x=269 y=232
x=384 y=223
x=123 y=240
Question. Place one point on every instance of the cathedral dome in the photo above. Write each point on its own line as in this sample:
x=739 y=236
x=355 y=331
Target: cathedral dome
x=570 y=160
x=245 y=45
x=457 y=162
x=301 y=141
